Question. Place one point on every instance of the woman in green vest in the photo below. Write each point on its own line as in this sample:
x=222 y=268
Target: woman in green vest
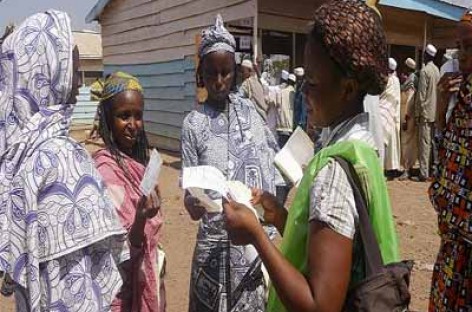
x=321 y=254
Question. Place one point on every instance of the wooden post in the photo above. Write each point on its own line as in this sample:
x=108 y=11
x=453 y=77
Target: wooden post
x=294 y=49
x=255 y=31
x=417 y=57
x=425 y=37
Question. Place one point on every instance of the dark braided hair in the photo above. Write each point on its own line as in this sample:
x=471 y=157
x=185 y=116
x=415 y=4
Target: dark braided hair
x=141 y=148
x=352 y=34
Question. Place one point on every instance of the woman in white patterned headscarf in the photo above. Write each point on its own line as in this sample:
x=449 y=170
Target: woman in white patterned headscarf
x=57 y=227
x=228 y=133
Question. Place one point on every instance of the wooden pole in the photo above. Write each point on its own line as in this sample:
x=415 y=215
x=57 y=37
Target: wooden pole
x=294 y=49
x=425 y=36
x=255 y=30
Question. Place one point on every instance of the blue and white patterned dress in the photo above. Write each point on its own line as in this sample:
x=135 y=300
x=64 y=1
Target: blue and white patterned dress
x=238 y=143
x=59 y=232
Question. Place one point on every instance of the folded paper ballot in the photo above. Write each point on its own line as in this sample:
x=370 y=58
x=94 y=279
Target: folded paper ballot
x=198 y=179
x=296 y=154
x=151 y=174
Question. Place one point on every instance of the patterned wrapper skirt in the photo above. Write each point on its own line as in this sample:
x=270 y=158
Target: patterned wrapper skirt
x=451 y=289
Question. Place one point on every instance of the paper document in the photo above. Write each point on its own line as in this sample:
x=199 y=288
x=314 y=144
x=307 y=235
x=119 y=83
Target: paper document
x=151 y=174
x=204 y=177
x=198 y=179
x=211 y=206
x=295 y=155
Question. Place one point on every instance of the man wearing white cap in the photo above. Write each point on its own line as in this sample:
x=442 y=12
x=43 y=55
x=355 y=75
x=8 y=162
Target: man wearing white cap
x=409 y=133
x=390 y=114
x=284 y=78
x=425 y=110
x=299 y=107
x=252 y=88
x=284 y=104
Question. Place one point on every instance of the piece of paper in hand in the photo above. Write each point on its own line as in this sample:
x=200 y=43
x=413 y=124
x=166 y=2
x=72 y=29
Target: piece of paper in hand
x=204 y=177
x=295 y=155
x=197 y=179
x=242 y=194
x=151 y=174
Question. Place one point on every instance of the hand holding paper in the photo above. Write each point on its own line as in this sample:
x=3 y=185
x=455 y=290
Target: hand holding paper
x=197 y=179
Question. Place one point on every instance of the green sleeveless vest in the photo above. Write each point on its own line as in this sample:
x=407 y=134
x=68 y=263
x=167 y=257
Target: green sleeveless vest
x=367 y=166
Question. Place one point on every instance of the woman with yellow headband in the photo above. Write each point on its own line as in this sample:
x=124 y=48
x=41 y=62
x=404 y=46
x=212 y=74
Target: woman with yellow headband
x=122 y=164
x=451 y=192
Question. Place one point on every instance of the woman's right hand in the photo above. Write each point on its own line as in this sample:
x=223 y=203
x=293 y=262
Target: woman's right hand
x=192 y=204
x=448 y=85
x=274 y=212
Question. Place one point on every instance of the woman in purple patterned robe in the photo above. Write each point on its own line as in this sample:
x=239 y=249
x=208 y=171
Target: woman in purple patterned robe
x=58 y=230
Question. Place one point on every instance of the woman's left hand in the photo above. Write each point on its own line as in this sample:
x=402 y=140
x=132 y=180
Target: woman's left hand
x=149 y=206
x=241 y=223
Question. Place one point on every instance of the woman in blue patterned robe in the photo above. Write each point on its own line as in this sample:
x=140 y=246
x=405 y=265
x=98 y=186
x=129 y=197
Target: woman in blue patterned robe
x=226 y=132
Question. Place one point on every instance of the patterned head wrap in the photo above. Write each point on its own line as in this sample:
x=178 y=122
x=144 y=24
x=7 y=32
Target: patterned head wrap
x=119 y=82
x=353 y=35
x=216 y=38
x=52 y=202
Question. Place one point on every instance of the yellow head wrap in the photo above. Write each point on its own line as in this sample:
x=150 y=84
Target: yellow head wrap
x=119 y=82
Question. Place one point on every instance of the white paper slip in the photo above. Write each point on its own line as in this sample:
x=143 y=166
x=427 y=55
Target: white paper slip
x=204 y=177
x=151 y=174
x=242 y=194
x=197 y=179
x=295 y=155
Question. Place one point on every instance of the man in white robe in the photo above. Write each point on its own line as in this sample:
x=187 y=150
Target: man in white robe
x=391 y=119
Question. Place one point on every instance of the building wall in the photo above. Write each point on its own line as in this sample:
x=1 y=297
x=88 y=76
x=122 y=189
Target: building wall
x=402 y=27
x=444 y=33
x=91 y=65
x=85 y=109
x=155 y=40
x=286 y=16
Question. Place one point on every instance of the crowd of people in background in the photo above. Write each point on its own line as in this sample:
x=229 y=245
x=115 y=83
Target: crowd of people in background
x=403 y=115
x=77 y=232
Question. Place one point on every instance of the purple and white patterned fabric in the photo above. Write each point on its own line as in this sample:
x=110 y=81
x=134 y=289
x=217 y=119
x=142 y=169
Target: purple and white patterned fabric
x=58 y=230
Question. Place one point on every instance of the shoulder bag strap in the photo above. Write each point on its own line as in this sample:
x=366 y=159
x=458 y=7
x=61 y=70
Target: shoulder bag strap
x=373 y=258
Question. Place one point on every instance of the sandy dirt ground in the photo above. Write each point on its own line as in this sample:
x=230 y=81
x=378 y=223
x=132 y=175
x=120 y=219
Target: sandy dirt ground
x=414 y=216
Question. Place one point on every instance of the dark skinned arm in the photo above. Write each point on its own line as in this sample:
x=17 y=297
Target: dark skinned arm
x=274 y=212
x=136 y=233
x=447 y=86
x=147 y=209
x=330 y=257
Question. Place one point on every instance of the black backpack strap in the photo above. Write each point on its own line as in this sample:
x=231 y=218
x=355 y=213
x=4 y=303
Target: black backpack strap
x=373 y=257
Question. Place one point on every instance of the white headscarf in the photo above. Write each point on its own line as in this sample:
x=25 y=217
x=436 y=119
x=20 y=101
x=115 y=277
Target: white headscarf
x=52 y=202
x=36 y=79
x=217 y=38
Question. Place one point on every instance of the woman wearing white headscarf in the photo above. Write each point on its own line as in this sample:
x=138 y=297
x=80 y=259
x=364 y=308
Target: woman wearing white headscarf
x=57 y=227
